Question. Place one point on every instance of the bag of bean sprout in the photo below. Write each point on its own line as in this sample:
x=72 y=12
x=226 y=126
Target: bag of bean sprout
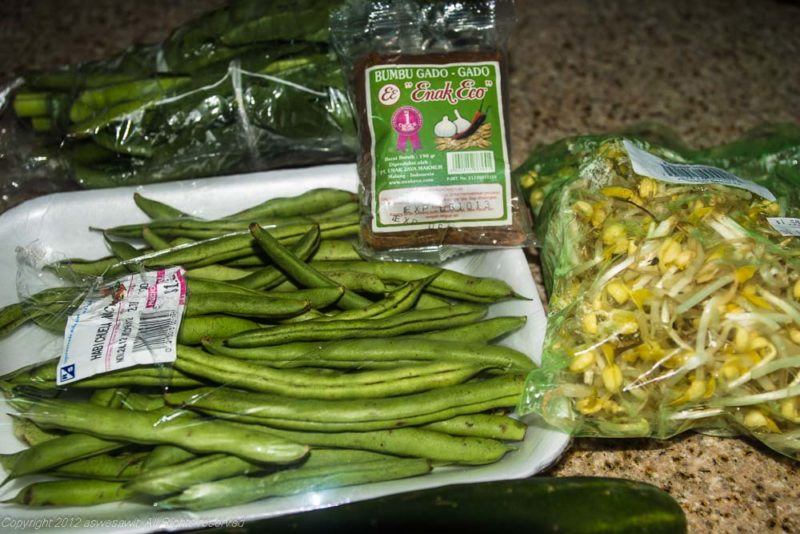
x=674 y=284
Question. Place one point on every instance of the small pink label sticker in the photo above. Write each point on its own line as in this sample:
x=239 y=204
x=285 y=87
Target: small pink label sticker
x=407 y=122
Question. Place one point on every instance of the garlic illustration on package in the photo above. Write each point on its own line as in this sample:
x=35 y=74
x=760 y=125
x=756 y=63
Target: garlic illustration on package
x=462 y=134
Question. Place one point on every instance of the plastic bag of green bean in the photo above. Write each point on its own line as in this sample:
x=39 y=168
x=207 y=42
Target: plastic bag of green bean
x=249 y=86
x=674 y=285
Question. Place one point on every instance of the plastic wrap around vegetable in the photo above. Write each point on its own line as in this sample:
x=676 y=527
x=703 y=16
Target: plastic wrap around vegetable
x=248 y=86
x=672 y=306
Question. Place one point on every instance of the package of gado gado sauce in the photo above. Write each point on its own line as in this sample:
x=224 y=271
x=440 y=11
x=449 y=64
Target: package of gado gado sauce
x=429 y=85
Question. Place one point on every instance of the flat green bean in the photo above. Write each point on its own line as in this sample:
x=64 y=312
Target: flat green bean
x=482 y=426
x=174 y=478
x=336 y=250
x=300 y=271
x=155 y=241
x=11 y=318
x=261 y=306
x=407 y=348
x=404 y=323
x=358 y=414
x=366 y=384
x=157 y=210
x=70 y=493
x=43 y=376
x=200 y=285
x=314 y=201
x=49 y=454
x=163 y=455
x=271 y=276
x=194 y=329
x=320 y=297
x=104 y=467
x=215 y=272
x=448 y=283
x=480 y=332
x=414 y=442
x=28 y=433
x=400 y=300
x=152 y=428
x=240 y=490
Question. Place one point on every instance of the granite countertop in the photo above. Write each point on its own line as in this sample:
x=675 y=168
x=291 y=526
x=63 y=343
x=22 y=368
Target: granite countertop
x=710 y=70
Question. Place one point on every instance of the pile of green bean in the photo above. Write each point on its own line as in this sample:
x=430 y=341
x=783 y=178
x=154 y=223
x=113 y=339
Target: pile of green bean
x=299 y=367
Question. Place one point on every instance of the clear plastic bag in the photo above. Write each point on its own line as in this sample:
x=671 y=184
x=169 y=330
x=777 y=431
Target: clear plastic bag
x=673 y=306
x=308 y=422
x=249 y=86
x=430 y=85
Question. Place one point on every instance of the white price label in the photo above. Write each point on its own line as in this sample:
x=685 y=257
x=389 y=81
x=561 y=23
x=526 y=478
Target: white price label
x=787 y=226
x=131 y=321
x=408 y=208
x=647 y=164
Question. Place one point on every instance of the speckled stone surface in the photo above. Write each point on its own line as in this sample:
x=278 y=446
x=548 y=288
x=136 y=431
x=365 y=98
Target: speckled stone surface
x=709 y=69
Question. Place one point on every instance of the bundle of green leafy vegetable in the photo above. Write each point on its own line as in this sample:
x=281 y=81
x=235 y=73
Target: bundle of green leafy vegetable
x=673 y=306
x=249 y=86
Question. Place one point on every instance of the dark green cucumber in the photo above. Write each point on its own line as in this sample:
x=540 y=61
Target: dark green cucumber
x=574 y=505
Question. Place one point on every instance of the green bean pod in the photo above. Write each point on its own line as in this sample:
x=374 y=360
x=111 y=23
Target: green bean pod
x=143 y=402
x=271 y=276
x=367 y=384
x=240 y=490
x=199 y=285
x=481 y=425
x=320 y=297
x=219 y=273
x=104 y=467
x=43 y=376
x=12 y=317
x=239 y=305
x=404 y=323
x=400 y=300
x=314 y=201
x=427 y=301
x=310 y=315
x=78 y=269
x=157 y=210
x=480 y=332
x=405 y=348
x=353 y=414
x=152 y=428
x=356 y=282
x=300 y=271
x=174 y=478
x=70 y=493
x=155 y=241
x=52 y=453
x=414 y=442
x=28 y=433
x=163 y=455
x=194 y=329
x=449 y=283
x=336 y=250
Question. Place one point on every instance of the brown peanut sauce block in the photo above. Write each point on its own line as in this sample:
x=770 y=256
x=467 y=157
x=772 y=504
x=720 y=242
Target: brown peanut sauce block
x=514 y=235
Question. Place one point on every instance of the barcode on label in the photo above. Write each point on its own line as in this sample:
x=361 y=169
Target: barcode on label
x=480 y=161
x=156 y=331
x=696 y=171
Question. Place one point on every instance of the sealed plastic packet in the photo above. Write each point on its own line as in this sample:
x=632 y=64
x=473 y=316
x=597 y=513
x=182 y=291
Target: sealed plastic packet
x=429 y=84
x=674 y=291
x=249 y=86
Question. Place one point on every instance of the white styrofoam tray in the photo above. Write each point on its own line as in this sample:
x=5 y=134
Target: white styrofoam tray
x=57 y=226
